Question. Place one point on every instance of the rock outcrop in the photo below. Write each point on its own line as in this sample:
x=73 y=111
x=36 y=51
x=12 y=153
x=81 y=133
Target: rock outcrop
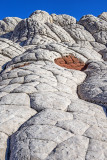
x=7 y=25
x=53 y=87
x=8 y=50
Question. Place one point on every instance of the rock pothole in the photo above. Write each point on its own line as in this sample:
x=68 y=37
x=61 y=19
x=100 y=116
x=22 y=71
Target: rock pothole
x=71 y=62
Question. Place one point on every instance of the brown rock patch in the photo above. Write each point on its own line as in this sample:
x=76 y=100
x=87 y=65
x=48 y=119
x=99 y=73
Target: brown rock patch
x=70 y=62
x=18 y=66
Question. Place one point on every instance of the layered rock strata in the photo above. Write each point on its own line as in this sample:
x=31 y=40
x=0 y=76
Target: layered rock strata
x=8 y=50
x=50 y=112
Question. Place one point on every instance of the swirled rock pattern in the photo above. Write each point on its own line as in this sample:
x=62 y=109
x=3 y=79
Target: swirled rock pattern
x=8 y=50
x=7 y=25
x=49 y=112
x=95 y=84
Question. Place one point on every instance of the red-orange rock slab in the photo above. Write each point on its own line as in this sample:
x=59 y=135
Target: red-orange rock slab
x=70 y=62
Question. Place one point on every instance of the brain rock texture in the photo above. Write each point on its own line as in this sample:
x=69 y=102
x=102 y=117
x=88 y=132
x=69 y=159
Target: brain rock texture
x=53 y=87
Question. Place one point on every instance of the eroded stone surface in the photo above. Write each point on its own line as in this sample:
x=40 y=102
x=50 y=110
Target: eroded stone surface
x=7 y=25
x=8 y=50
x=95 y=84
x=96 y=26
x=61 y=126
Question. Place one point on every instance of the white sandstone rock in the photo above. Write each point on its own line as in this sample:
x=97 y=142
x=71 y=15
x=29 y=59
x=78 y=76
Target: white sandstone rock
x=41 y=114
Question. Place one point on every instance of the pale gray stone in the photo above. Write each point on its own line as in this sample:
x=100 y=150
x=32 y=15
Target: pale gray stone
x=95 y=84
x=63 y=20
x=8 y=50
x=3 y=145
x=40 y=101
x=24 y=88
x=96 y=150
x=50 y=117
x=15 y=99
x=103 y=16
x=13 y=116
x=75 y=126
x=96 y=26
x=9 y=88
x=97 y=133
x=65 y=127
x=73 y=148
x=7 y=26
x=19 y=80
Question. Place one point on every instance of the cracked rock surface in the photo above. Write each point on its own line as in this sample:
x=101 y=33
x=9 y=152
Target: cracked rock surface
x=50 y=111
x=8 y=50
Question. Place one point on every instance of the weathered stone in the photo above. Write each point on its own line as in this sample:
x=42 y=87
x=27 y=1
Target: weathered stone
x=96 y=150
x=73 y=148
x=103 y=16
x=75 y=126
x=65 y=127
x=15 y=99
x=8 y=50
x=7 y=26
x=95 y=91
x=96 y=26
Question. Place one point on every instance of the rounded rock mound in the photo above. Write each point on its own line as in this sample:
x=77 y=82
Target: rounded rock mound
x=53 y=88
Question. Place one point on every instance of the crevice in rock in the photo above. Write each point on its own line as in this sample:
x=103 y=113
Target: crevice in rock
x=7 y=155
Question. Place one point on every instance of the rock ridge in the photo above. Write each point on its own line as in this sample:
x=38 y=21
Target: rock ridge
x=50 y=112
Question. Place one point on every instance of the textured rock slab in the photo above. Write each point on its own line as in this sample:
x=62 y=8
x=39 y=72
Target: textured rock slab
x=12 y=117
x=66 y=127
x=3 y=145
x=8 y=50
x=75 y=126
x=96 y=26
x=73 y=148
x=7 y=26
x=15 y=99
x=49 y=117
x=103 y=16
x=14 y=111
x=95 y=84
x=81 y=126
x=23 y=87
x=45 y=135
x=97 y=150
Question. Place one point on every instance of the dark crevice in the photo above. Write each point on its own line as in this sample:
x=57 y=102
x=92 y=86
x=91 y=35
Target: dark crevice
x=7 y=155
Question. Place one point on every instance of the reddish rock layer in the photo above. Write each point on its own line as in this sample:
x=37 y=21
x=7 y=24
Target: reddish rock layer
x=25 y=64
x=70 y=62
